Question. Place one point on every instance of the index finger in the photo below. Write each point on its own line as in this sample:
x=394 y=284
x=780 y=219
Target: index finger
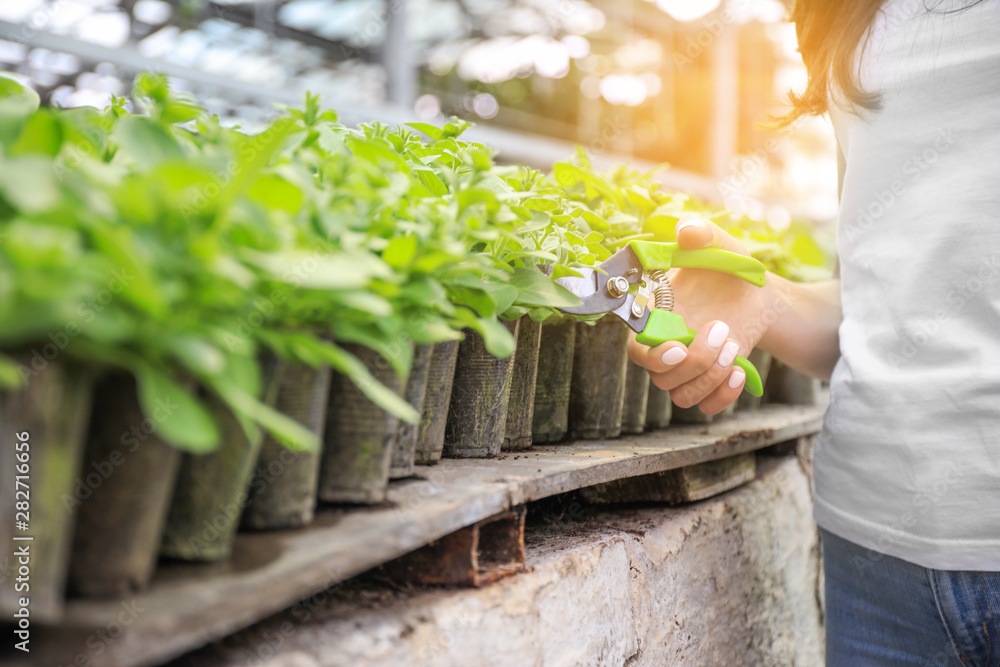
x=694 y=231
x=659 y=359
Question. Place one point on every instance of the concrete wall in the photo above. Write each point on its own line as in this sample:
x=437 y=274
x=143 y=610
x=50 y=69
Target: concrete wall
x=729 y=581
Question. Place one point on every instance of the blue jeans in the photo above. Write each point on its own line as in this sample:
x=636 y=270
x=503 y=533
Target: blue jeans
x=886 y=612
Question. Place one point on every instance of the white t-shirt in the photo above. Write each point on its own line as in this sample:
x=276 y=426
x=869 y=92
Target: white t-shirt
x=908 y=461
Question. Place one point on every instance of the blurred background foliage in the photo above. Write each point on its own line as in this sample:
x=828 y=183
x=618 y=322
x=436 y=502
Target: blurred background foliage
x=685 y=82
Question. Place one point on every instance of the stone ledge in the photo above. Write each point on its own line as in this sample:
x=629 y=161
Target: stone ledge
x=727 y=581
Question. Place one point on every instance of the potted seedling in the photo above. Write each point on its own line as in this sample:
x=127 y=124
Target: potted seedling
x=555 y=372
x=635 y=404
x=521 y=404
x=437 y=397
x=597 y=391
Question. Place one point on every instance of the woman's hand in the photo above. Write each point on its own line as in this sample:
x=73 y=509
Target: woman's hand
x=727 y=313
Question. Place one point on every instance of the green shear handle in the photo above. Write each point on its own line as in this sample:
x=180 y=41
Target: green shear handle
x=664 y=325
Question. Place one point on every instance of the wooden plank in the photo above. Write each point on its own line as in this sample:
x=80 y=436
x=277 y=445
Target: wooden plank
x=681 y=485
x=191 y=604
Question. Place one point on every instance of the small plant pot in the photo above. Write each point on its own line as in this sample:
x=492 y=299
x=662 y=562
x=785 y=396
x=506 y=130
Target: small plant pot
x=211 y=493
x=404 y=447
x=477 y=414
x=659 y=408
x=521 y=406
x=358 y=436
x=122 y=516
x=598 y=388
x=283 y=489
x=786 y=385
x=762 y=360
x=434 y=416
x=636 y=399
x=51 y=411
x=555 y=373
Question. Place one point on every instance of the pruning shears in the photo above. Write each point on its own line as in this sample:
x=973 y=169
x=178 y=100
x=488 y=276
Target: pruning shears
x=633 y=285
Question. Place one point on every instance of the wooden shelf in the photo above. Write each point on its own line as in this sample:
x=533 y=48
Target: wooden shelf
x=189 y=605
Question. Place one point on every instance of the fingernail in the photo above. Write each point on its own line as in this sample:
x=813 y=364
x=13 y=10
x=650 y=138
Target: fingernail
x=736 y=377
x=688 y=221
x=717 y=336
x=674 y=356
x=729 y=352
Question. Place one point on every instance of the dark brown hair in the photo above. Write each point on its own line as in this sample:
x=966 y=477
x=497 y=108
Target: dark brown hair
x=830 y=32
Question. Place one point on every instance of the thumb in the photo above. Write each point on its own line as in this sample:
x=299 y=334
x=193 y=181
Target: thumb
x=694 y=232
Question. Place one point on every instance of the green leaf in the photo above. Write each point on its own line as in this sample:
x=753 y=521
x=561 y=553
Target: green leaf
x=498 y=340
x=431 y=181
x=807 y=251
x=29 y=183
x=476 y=299
x=401 y=251
x=146 y=142
x=538 y=254
x=504 y=295
x=274 y=192
x=567 y=174
x=132 y=274
x=346 y=363
x=10 y=375
x=180 y=419
x=255 y=151
x=375 y=151
x=432 y=131
x=180 y=111
x=17 y=103
x=42 y=134
x=197 y=354
x=283 y=428
x=330 y=271
x=475 y=195
x=595 y=221
x=536 y=289
x=541 y=204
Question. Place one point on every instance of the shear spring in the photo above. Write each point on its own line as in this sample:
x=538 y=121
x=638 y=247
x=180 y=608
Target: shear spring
x=664 y=290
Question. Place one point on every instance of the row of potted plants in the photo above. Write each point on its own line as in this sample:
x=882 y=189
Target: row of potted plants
x=206 y=328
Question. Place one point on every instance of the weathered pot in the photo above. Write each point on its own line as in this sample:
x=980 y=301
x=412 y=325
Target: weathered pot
x=121 y=519
x=477 y=414
x=658 y=408
x=50 y=414
x=404 y=446
x=598 y=387
x=434 y=416
x=555 y=373
x=358 y=436
x=636 y=399
x=787 y=385
x=762 y=360
x=283 y=489
x=521 y=406
x=212 y=489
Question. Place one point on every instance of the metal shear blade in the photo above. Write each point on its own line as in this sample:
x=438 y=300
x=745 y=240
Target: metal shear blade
x=592 y=287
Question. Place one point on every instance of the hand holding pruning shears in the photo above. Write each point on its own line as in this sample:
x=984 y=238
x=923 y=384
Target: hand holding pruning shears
x=712 y=276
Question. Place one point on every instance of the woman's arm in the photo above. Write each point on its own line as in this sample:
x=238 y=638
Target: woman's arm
x=803 y=328
x=797 y=323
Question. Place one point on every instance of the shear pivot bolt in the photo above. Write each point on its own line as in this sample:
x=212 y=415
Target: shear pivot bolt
x=617 y=287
